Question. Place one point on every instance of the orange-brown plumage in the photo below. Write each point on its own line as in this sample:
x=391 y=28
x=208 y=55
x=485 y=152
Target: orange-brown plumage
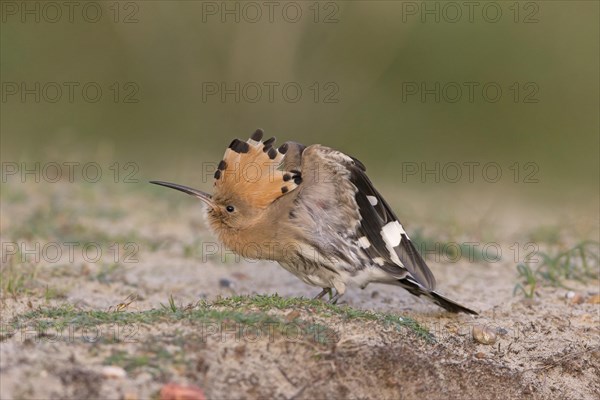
x=249 y=171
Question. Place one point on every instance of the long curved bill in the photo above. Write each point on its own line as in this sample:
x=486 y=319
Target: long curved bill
x=205 y=197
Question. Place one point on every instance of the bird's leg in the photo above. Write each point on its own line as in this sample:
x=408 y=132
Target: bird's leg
x=334 y=299
x=323 y=293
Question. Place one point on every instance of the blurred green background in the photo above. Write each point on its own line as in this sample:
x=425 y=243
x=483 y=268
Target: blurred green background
x=156 y=62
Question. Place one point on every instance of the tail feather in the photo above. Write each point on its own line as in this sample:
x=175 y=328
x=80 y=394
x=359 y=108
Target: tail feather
x=444 y=302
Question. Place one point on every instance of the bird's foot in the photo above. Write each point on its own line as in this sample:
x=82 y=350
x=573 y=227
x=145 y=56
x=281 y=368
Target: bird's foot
x=323 y=293
x=334 y=299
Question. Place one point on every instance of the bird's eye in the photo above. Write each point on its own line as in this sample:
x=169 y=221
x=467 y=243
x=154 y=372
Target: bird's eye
x=230 y=208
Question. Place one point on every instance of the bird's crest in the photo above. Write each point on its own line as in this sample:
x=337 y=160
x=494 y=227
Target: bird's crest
x=250 y=171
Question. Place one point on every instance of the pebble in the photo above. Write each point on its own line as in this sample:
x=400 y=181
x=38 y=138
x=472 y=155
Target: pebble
x=574 y=297
x=173 y=391
x=480 y=355
x=113 y=372
x=484 y=334
x=375 y=294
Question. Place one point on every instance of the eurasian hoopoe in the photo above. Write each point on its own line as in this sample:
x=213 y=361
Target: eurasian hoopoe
x=314 y=210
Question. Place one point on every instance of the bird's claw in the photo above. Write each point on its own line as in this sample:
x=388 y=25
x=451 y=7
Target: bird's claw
x=335 y=298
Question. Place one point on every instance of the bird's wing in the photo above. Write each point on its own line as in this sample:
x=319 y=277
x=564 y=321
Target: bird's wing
x=336 y=185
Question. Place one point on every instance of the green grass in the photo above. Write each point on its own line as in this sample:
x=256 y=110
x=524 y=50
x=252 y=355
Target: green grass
x=579 y=263
x=24 y=279
x=16 y=277
x=171 y=306
x=59 y=318
x=246 y=310
x=266 y=302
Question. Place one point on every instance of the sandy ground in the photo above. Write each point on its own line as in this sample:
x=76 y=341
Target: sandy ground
x=547 y=347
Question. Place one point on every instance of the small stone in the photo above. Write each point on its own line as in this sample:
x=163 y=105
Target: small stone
x=375 y=294
x=484 y=334
x=594 y=299
x=113 y=372
x=480 y=355
x=173 y=391
x=574 y=297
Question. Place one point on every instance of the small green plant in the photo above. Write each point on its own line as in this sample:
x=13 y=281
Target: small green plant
x=527 y=287
x=579 y=263
x=16 y=278
x=171 y=306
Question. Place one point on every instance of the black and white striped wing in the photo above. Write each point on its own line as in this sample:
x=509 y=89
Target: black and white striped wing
x=385 y=232
x=377 y=229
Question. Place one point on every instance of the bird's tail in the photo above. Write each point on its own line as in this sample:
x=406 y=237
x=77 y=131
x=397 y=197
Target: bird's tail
x=444 y=302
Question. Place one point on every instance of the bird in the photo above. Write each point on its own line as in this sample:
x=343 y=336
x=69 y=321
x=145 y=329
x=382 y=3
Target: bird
x=314 y=210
